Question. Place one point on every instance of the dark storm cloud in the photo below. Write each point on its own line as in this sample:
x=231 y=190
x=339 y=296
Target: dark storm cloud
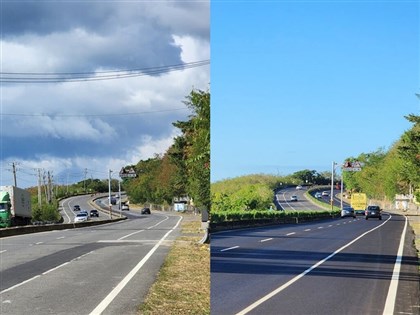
x=116 y=35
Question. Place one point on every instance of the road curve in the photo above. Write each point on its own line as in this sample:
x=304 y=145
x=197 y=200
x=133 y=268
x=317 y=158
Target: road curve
x=104 y=269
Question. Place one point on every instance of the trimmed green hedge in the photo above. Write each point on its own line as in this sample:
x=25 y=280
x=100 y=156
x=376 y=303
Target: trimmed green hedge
x=241 y=215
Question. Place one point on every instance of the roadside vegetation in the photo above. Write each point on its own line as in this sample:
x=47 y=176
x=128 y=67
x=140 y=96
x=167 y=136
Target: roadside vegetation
x=183 y=283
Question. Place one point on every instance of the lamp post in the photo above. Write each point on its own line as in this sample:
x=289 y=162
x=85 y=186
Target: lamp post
x=332 y=185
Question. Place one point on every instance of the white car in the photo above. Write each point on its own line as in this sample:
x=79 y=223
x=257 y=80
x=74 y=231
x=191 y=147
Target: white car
x=81 y=217
x=318 y=195
x=299 y=187
x=294 y=198
x=325 y=193
x=125 y=207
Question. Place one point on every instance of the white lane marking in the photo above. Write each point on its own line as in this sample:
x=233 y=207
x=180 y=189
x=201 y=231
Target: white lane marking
x=39 y=243
x=290 y=282
x=111 y=296
x=307 y=230
x=320 y=227
x=225 y=249
x=288 y=234
x=44 y=273
x=267 y=239
x=2 y=251
x=128 y=235
x=150 y=227
x=60 y=238
x=19 y=284
x=392 y=291
x=59 y=266
x=330 y=225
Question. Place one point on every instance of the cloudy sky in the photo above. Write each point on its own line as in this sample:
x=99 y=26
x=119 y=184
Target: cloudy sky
x=88 y=86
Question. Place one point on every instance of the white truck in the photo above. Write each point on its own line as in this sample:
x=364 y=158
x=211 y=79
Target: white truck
x=15 y=206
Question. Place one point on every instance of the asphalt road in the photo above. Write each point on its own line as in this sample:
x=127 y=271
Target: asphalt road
x=104 y=269
x=340 y=266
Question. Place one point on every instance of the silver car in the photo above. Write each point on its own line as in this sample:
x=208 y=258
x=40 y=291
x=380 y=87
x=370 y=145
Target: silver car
x=348 y=212
x=81 y=217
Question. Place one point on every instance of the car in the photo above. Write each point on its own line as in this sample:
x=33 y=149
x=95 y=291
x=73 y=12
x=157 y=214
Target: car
x=145 y=211
x=373 y=211
x=294 y=198
x=299 y=187
x=325 y=193
x=125 y=207
x=318 y=195
x=81 y=217
x=94 y=213
x=76 y=208
x=348 y=212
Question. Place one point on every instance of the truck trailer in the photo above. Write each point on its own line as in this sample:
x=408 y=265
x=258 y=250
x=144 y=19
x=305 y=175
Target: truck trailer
x=15 y=206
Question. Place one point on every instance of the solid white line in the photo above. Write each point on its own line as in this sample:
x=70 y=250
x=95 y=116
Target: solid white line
x=288 y=234
x=111 y=296
x=223 y=250
x=290 y=282
x=392 y=291
x=121 y=238
x=62 y=265
x=267 y=239
x=19 y=284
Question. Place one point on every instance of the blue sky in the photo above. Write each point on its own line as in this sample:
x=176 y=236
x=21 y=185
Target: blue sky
x=298 y=84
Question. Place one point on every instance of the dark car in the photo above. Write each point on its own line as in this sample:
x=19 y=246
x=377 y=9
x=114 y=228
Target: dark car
x=373 y=212
x=94 y=213
x=76 y=208
x=348 y=212
x=145 y=211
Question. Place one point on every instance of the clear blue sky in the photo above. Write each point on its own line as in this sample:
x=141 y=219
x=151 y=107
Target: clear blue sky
x=298 y=84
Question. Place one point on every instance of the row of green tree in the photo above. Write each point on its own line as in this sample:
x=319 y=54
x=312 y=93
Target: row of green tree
x=184 y=169
x=386 y=173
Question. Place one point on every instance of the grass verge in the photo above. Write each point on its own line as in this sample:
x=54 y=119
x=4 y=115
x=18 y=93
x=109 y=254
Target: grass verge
x=183 y=283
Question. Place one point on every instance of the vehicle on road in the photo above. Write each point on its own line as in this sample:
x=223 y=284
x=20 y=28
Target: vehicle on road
x=348 y=212
x=145 y=211
x=76 y=208
x=299 y=187
x=81 y=217
x=318 y=195
x=325 y=193
x=358 y=201
x=294 y=198
x=373 y=211
x=15 y=206
x=125 y=207
x=94 y=213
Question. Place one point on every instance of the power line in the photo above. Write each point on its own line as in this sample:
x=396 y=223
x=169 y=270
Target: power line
x=92 y=115
x=46 y=77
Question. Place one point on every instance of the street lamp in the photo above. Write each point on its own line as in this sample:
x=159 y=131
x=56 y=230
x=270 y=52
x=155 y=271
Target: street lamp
x=332 y=184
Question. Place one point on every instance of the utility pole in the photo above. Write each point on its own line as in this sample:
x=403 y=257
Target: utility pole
x=39 y=188
x=14 y=173
x=119 y=195
x=84 y=182
x=109 y=197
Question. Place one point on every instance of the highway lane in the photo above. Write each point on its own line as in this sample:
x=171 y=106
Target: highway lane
x=283 y=198
x=107 y=268
x=316 y=268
